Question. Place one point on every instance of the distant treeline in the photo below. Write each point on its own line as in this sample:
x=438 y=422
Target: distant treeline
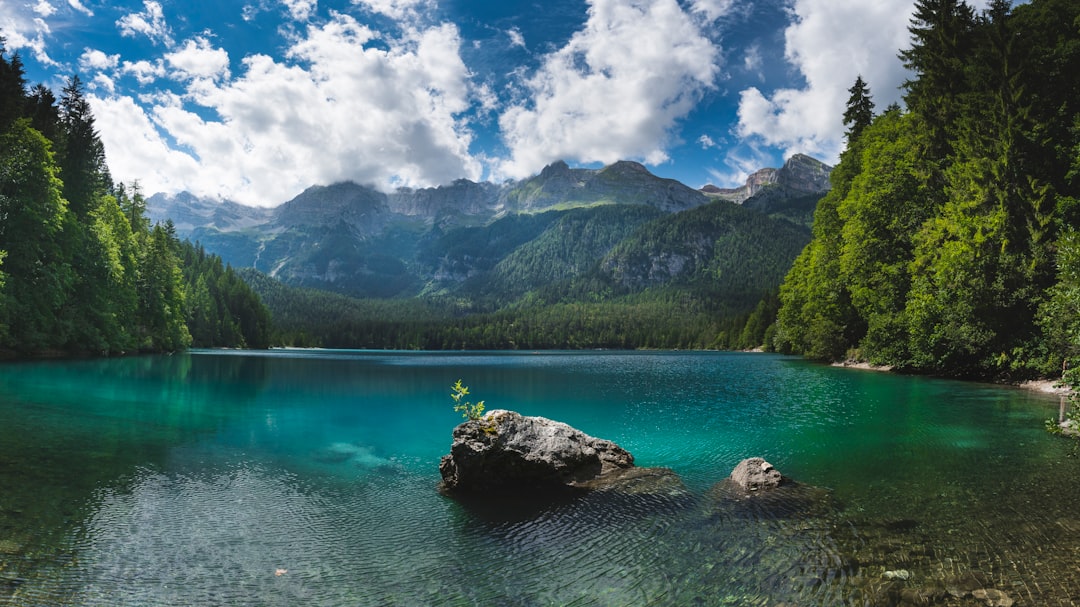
x=82 y=271
x=949 y=242
x=663 y=319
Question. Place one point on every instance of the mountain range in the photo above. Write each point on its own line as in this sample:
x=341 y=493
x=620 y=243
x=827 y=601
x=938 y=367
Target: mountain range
x=565 y=234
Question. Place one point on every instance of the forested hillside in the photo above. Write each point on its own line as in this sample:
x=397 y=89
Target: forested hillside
x=82 y=270
x=948 y=243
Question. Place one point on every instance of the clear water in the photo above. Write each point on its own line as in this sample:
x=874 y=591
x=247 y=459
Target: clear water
x=309 y=478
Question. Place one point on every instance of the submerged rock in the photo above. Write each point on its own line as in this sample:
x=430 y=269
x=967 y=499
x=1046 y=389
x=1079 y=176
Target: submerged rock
x=659 y=482
x=506 y=451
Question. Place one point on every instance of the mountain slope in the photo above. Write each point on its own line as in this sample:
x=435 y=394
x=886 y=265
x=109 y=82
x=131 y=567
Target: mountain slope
x=564 y=236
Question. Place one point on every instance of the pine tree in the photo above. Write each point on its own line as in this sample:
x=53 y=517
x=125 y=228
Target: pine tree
x=941 y=32
x=860 y=109
x=82 y=161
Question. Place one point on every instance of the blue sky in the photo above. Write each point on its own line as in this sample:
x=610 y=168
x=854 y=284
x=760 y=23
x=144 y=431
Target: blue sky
x=255 y=100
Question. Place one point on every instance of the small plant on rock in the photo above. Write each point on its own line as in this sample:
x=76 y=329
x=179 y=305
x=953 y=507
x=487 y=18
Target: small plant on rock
x=468 y=410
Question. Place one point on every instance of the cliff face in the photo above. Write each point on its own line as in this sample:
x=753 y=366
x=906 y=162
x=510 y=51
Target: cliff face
x=801 y=175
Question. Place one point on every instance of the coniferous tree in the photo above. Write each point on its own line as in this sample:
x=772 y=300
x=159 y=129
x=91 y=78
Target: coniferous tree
x=941 y=32
x=82 y=160
x=860 y=109
x=42 y=111
x=12 y=88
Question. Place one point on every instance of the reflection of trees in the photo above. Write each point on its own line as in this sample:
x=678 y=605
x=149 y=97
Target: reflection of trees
x=72 y=427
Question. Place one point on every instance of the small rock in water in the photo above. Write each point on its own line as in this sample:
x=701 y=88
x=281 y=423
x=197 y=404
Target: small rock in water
x=898 y=574
x=755 y=473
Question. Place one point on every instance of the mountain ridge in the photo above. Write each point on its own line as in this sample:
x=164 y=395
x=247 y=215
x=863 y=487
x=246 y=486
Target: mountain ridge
x=563 y=234
x=556 y=185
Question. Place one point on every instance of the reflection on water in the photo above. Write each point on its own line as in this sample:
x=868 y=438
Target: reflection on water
x=309 y=478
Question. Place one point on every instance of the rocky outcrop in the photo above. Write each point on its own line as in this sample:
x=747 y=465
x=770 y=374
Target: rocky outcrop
x=505 y=451
x=800 y=175
x=756 y=474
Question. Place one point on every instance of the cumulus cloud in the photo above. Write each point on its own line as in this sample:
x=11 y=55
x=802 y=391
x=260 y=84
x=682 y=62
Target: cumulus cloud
x=146 y=157
x=79 y=6
x=21 y=30
x=830 y=42
x=199 y=59
x=301 y=10
x=145 y=72
x=344 y=103
x=150 y=23
x=616 y=90
x=93 y=59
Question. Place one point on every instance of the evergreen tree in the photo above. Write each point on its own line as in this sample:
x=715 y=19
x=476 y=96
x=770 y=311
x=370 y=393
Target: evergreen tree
x=82 y=160
x=12 y=88
x=860 y=109
x=42 y=111
x=941 y=32
x=161 y=314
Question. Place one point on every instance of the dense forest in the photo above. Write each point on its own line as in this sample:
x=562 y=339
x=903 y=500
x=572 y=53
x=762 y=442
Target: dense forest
x=613 y=276
x=82 y=271
x=949 y=241
x=662 y=319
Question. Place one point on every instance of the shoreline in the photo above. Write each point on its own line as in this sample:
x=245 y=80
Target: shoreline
x=1042 y=386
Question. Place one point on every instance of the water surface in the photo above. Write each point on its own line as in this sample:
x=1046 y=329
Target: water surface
x=309 y=477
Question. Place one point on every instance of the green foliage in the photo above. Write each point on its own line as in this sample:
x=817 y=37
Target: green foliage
x=83 y=269
x=860 y=109
x=222 y=310
x=468 y=410
x=934 y=251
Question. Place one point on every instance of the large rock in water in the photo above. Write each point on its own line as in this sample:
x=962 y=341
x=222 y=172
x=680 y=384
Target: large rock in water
x=506 y=451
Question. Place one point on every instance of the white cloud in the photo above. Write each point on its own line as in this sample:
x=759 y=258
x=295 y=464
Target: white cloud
x=79 y=6
x=301 y=10
x=713 y=9
x=23 y=29
x=829 y=42
x=343 y=104
x=516 y=37
x=102 y=82
x=615 y=91
x=395 y=9
x=144 y=71
x=707 y=142
x=44 y=8
x=93 y=59
x=150 y=23
x=199 y=59
x=137 y=150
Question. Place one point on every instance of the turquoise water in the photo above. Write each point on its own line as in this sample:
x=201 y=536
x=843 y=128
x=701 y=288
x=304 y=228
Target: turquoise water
x=309 y=478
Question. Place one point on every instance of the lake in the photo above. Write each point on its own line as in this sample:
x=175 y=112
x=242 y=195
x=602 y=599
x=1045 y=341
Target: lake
x=310 y=477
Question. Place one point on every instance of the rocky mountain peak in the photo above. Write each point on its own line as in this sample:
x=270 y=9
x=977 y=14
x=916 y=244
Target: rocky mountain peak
x=800 y=175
